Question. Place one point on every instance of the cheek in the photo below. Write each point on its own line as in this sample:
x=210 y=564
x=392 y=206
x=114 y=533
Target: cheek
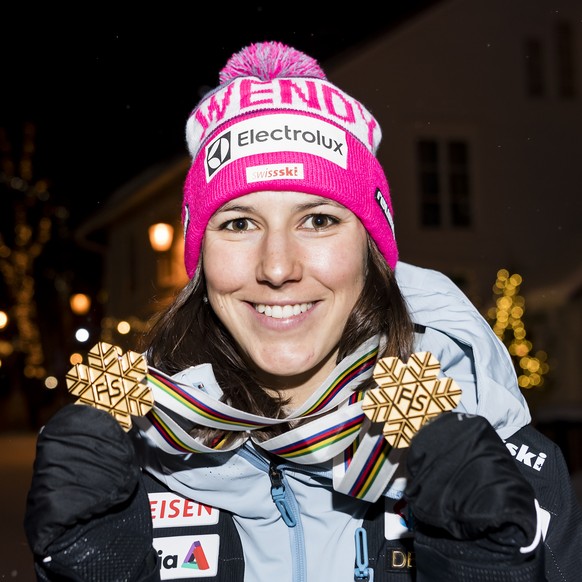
x=223 y=271
x=342 y=268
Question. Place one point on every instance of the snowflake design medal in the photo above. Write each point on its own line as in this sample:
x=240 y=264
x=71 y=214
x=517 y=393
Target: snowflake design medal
x=112 y=381
x=408 y=396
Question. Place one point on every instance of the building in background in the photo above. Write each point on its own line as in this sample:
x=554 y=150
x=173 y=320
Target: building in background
x=480 y=104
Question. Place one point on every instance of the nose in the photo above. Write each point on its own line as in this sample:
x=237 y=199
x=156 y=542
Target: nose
x=279 y=259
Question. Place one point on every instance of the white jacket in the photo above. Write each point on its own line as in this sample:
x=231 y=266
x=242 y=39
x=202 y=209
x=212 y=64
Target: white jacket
x=320 y=546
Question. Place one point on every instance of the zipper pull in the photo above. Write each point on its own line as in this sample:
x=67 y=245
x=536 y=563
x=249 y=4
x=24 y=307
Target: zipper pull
x=361 y=572
x=278 y=495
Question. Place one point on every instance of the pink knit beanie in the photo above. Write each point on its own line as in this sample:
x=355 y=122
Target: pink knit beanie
x=276 y=123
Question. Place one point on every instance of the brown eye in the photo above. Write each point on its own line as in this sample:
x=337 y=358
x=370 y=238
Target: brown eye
x=319 y=221
x=238 y=224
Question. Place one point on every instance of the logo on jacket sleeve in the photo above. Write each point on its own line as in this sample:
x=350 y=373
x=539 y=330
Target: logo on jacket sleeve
x=187 y=556
x=527 y=457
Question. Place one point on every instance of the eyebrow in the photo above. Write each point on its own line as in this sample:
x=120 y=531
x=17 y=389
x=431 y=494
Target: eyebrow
x=319 y=201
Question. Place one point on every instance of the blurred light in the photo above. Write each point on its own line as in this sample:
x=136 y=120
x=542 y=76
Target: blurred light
x=161 y=236
x=51 y=382
x=3 y=319
x=76 y=358
x=506 y=317
x=6 y=348
x=81 y=335
x=80 y=303
x=123 y=327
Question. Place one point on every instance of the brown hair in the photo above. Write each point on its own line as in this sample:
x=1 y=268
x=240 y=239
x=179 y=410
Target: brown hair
x=188 y=333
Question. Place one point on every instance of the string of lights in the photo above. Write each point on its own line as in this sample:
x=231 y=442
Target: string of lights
x=508 y=325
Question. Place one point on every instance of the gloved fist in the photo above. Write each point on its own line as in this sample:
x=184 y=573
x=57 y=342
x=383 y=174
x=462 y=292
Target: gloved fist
x=87 y=513
x=468 y=499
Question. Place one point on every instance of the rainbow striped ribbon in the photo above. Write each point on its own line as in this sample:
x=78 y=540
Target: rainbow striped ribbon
x=331 y=425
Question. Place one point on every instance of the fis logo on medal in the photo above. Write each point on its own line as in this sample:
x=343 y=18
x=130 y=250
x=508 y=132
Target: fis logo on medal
x=185 y=557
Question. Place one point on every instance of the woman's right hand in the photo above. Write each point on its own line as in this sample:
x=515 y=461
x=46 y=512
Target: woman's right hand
x=87 y=512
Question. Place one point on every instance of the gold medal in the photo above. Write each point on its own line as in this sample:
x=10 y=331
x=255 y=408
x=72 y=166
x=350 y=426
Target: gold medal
x=408 y=396
x=112 y=381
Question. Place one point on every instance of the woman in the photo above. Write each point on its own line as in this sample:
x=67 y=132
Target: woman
x=258 y=458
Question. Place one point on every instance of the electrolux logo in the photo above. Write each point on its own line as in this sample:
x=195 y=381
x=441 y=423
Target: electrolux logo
x=275 y=133
x=289 y=134
x=218 y=153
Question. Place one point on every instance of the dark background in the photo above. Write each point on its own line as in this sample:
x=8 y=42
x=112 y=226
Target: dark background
x=109 y=92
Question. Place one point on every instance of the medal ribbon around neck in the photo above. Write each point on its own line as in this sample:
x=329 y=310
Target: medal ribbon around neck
x=332 y=422
x=322 y=424
x=337 y=423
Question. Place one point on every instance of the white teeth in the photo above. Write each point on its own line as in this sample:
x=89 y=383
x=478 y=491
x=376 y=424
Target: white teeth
x=282 y=311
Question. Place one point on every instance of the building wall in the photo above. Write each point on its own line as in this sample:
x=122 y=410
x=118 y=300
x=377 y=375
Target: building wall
x=138 y=280
x=458 y=72
x=455 y=72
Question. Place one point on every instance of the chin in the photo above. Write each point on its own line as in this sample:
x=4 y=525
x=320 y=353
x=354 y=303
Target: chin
x=293 y=366
x=285 y=371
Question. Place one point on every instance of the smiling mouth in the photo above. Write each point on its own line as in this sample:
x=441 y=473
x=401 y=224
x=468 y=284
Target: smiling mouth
x=282 y=311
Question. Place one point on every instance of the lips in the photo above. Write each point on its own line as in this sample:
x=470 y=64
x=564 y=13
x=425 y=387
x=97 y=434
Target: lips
x=282 y=311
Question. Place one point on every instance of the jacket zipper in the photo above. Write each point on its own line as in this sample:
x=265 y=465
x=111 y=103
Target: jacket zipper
x=286 y=503
x=362 y=571
x=279 y=495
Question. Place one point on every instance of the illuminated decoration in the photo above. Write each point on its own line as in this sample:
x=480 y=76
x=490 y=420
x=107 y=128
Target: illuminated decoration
x=507 y=323
x=112 y=328
x=31 y=230
x=82 y=335
x=6 y=349
x=161 y=236
x=50 y=382
x=123 y=327
x=80 y=303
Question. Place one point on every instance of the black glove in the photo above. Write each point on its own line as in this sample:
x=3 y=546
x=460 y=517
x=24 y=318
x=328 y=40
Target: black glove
x=87 y=514
x=473 y=510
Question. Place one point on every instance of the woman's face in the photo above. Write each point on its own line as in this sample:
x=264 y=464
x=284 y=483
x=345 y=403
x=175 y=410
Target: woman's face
x=283 y=272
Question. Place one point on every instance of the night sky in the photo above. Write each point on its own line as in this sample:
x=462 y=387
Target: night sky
x=109 y=92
